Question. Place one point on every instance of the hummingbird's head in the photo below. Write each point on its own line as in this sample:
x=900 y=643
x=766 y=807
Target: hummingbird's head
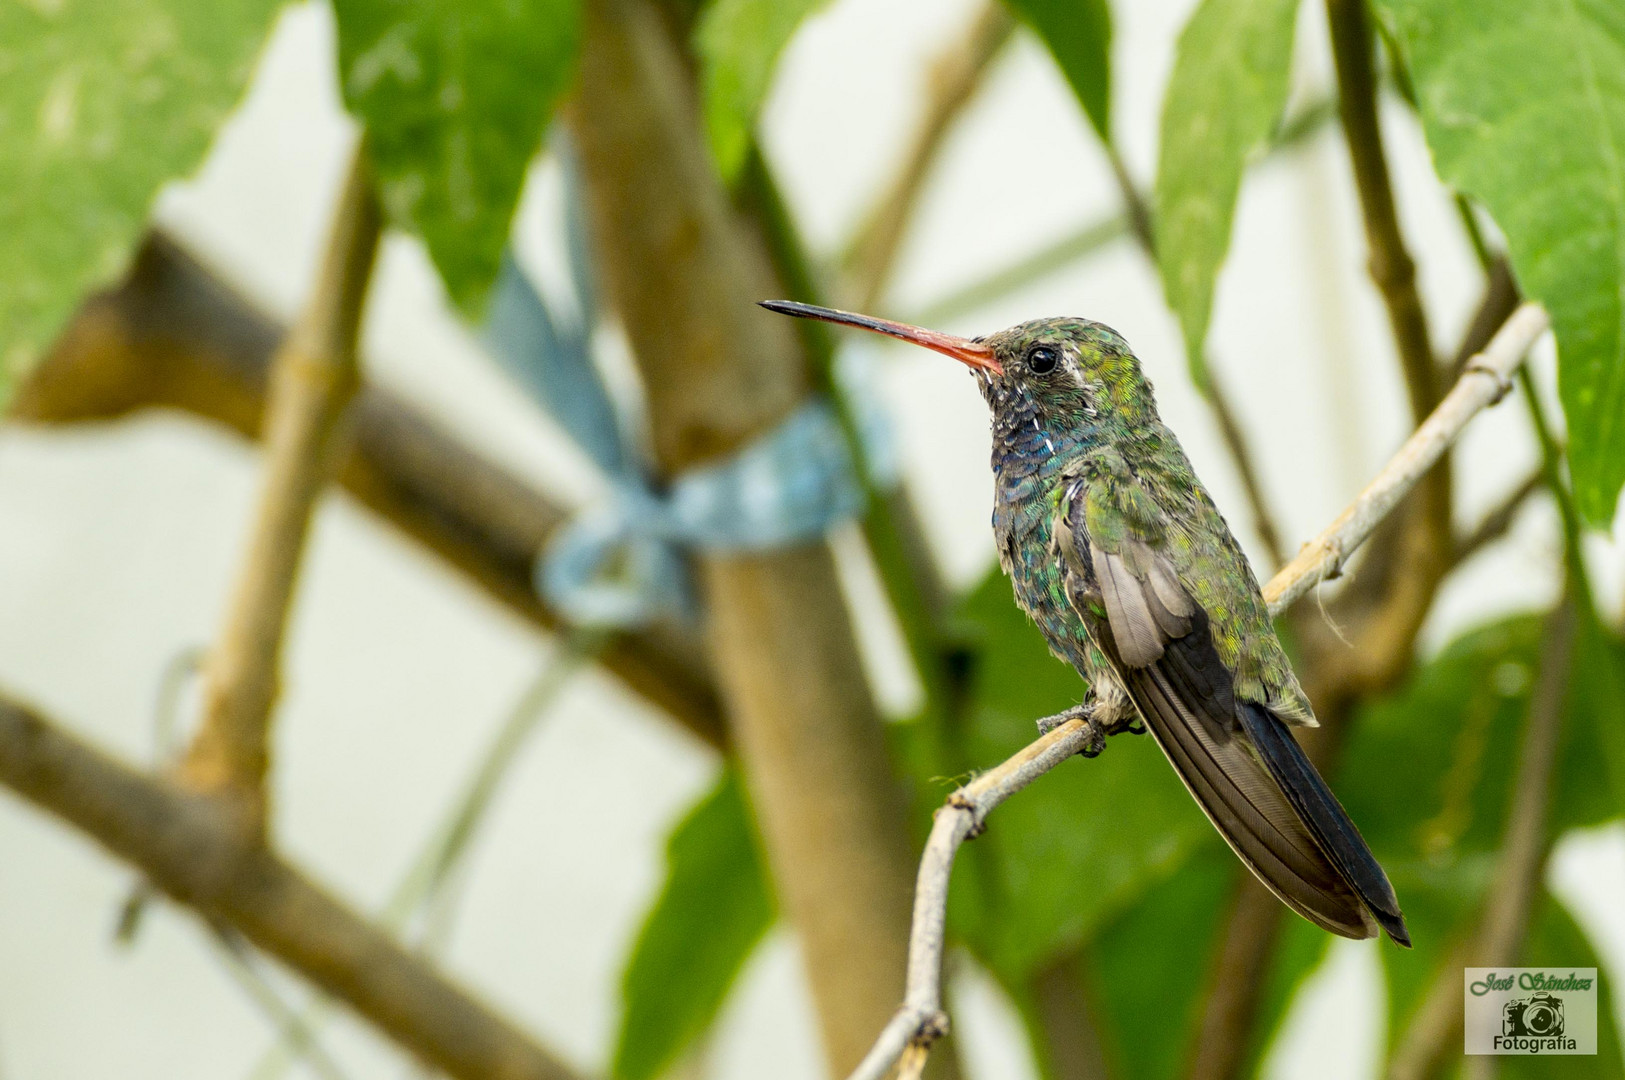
x=1066 y=371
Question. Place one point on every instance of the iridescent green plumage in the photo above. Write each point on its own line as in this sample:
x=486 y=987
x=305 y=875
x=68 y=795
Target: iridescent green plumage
x=1120 y=556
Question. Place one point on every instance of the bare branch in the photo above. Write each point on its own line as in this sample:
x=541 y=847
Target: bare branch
x=314 y=378
x=955 y=77
x=1485 y=379
x=1392 y=268
x=1494 y=524
x=196 y=854
x=921 y=1020
x=175 y=334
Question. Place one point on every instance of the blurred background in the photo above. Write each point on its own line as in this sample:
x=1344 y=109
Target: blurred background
x=552 y=817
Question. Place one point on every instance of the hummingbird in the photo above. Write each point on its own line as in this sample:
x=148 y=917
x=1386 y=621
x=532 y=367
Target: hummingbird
x=1120 y=556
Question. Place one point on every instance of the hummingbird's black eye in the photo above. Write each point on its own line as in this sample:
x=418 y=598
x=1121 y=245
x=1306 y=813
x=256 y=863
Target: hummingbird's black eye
x=1041 y=359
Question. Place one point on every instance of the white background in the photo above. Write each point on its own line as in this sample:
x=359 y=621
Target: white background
x=117 y=545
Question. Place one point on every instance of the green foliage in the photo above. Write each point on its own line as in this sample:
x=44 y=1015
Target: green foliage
x=455 y=98
x=100 y=103
x=1523 y=103
x=713 y=910
x=1555 y=938
x=1428 y=772
x=739 y=42
x=1079 y=36
x=1080 y=846
x=1226 y=93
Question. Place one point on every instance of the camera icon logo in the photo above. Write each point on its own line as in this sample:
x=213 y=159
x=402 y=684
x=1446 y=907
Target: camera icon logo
x=1537 y=1016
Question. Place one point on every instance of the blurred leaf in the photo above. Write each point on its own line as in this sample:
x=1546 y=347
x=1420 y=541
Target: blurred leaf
x=1149 y=963
x=1442 y=907
x=713 y=910
x=1557 y=939
x=1441 y=902
x=1597 y=699
x=1523 y=105
x=1226 y=93
x=1428 y=770
x=1080 y=845
x=739 y=42
x=1079 y=36
x=100 y=103
x=455 y=98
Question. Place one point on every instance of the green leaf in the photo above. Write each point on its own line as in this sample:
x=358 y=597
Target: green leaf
x=739 y=42
x=455 y=97
x=1079 y=36
x=1149 y=964
x=1443 y=905
x=1080 y=845
x=1523 y=106
x=1428 y=770
x=1555 y=938
x=711 y=913
x=1227 y=91
x=100 y=103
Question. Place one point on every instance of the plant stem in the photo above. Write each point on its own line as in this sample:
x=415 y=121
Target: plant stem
x=314 y=376
x=955 y=77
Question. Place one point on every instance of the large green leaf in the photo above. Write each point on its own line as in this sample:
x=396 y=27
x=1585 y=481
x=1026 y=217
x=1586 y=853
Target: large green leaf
x=713 y=910
x=1083 y=842
x=1149 y=964
x=1079 y=36
x=1523 y=105
x=455 y=97
x=1228 y=88
x=739 y=42
x=100 y=103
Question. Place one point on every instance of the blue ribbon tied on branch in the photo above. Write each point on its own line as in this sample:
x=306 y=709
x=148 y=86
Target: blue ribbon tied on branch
x=621 y=563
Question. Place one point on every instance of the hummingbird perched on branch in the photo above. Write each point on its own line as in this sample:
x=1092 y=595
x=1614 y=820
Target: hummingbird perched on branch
x=1118 y=554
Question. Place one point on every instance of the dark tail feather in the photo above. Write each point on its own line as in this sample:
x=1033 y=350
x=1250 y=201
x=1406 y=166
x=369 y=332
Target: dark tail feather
x=1245 y=802
x=1324 y=816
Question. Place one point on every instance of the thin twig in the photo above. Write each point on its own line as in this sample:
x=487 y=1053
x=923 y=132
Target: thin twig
x=1392 y=268
x=314 y=375
x=1484 y=381
x=955 y=78
x=1494 y=524
x=921 y=1020
x=425 y=883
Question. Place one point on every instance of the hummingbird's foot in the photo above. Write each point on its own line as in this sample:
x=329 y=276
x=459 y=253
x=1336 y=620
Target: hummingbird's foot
x=1076 y=712
x=1089 y=712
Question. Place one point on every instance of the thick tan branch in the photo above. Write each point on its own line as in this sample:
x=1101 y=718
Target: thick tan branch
x=314 y=376
x=195 y=853
x=921 y=1019
x=684 y=274
x=955 y=77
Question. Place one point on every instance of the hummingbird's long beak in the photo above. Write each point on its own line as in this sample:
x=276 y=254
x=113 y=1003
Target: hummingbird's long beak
x=972 y=353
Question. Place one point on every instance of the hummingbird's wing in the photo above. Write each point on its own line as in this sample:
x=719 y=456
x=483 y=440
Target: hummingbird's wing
x=1237 y=759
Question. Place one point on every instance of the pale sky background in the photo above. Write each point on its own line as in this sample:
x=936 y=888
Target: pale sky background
x=117 y=545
